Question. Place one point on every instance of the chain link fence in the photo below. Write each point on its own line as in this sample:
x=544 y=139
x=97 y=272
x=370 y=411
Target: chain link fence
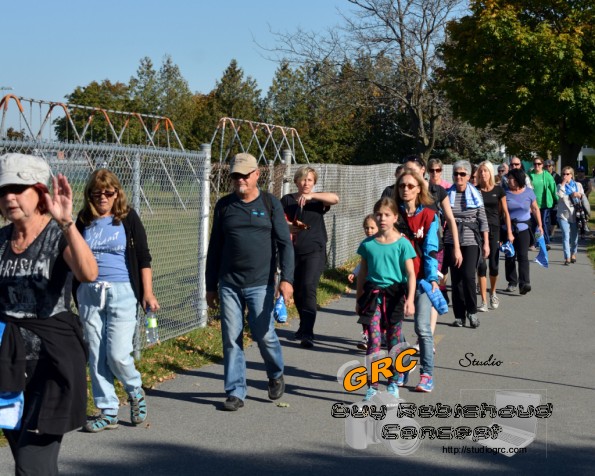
x=170 y=191
x=175 y=193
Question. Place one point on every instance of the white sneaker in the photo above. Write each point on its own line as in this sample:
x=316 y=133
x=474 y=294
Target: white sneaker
x=494 y=301
x=483 y=307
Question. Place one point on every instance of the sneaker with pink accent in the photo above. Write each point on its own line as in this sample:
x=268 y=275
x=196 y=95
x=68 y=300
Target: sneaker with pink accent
x=426 y=384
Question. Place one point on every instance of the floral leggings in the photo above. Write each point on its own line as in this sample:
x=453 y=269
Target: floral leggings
x=393 y=337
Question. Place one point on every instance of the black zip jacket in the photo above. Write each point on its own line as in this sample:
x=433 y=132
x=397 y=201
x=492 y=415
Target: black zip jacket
x=392 y=301
x=64 y=387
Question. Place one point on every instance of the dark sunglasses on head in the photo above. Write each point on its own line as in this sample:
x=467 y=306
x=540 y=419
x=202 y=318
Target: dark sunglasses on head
x=238 y=176
x=14 y=189
x=413 y=158
x=408 y=186
x=459 y=174
x=106 y=193
x=435 y=171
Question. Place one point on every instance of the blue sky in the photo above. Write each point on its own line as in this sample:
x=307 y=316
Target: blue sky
x=50 y=47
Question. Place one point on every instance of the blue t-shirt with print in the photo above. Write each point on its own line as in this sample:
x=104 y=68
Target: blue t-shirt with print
x=108 y=243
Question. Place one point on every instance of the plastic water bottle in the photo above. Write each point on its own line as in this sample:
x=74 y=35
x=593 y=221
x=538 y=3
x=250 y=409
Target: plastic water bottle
x=280 y=312
x=151 y=325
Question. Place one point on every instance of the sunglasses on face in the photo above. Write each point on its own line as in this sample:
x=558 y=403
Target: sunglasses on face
x=238 y=176
x=435 y=171
x=14 y=189
x=408 y=186
x=515 y=164
x=459 y=174
x=97 y=195
x=537 y=163
x=566 y=173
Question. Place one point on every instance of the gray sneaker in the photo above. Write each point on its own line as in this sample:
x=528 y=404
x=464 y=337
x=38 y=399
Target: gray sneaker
x=473 y=320
x=483 y=307
x=510 y=289
x=494 y=301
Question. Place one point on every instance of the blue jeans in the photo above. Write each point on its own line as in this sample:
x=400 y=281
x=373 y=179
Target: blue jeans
x=569 y=237
x=108 y=314
x=423 y=309
x=259 y=301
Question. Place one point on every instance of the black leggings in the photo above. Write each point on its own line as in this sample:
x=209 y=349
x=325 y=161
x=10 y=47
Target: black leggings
x=494 y=257
x=464 y=298
x=34 y=453
x=521 y=254
x=308 y=269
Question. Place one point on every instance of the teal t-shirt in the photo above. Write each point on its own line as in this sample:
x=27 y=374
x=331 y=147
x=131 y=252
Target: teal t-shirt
x=386 y=262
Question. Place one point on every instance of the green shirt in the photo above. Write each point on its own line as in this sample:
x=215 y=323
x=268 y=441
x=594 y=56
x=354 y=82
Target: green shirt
x=386 y=262
x=544 y=187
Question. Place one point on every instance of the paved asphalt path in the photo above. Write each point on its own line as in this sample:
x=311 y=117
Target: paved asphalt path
x=545 y=341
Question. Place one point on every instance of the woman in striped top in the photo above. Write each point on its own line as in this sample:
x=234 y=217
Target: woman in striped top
x=467 y=206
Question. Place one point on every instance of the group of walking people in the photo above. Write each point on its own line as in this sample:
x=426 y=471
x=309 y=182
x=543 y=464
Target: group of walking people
x=456 y=229
x=102 y=259
x=420 y=231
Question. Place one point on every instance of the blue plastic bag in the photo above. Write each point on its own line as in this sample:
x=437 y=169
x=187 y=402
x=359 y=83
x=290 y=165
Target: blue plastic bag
x=280 y=312
x=508 y=249
x=11 y=410
x=542 y=257
x=436 y=297
x=11 y=403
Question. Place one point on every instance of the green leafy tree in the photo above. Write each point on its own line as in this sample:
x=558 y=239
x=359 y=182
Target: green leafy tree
x=522 y=64
x=145 y=88
x=105 y=95
x=237 y=97
x=176 y=102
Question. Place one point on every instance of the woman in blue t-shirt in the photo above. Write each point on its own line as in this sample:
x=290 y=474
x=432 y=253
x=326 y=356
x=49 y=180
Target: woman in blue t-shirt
x=108 y=306
x=521 y=205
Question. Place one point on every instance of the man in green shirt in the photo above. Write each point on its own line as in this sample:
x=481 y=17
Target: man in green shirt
x=544 y=187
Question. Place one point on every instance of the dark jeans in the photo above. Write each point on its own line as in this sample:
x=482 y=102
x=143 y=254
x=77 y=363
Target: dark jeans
x=521 y=254
x=545 y=223
x=464 y=297
x=308 y=269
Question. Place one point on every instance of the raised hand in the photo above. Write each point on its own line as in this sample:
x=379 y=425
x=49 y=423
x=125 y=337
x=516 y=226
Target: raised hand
x=59 y=203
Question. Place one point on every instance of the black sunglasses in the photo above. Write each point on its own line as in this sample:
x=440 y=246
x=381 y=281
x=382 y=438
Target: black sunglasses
x=459 y=174
x=238 y=176
x=107 y=194
x=435 y=171
x=14 y=189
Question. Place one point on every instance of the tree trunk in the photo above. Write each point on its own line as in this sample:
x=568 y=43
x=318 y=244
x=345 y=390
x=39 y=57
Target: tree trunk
x=569 y=153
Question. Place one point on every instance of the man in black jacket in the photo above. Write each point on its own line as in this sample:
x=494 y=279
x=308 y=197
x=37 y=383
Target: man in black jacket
x=249 y=226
